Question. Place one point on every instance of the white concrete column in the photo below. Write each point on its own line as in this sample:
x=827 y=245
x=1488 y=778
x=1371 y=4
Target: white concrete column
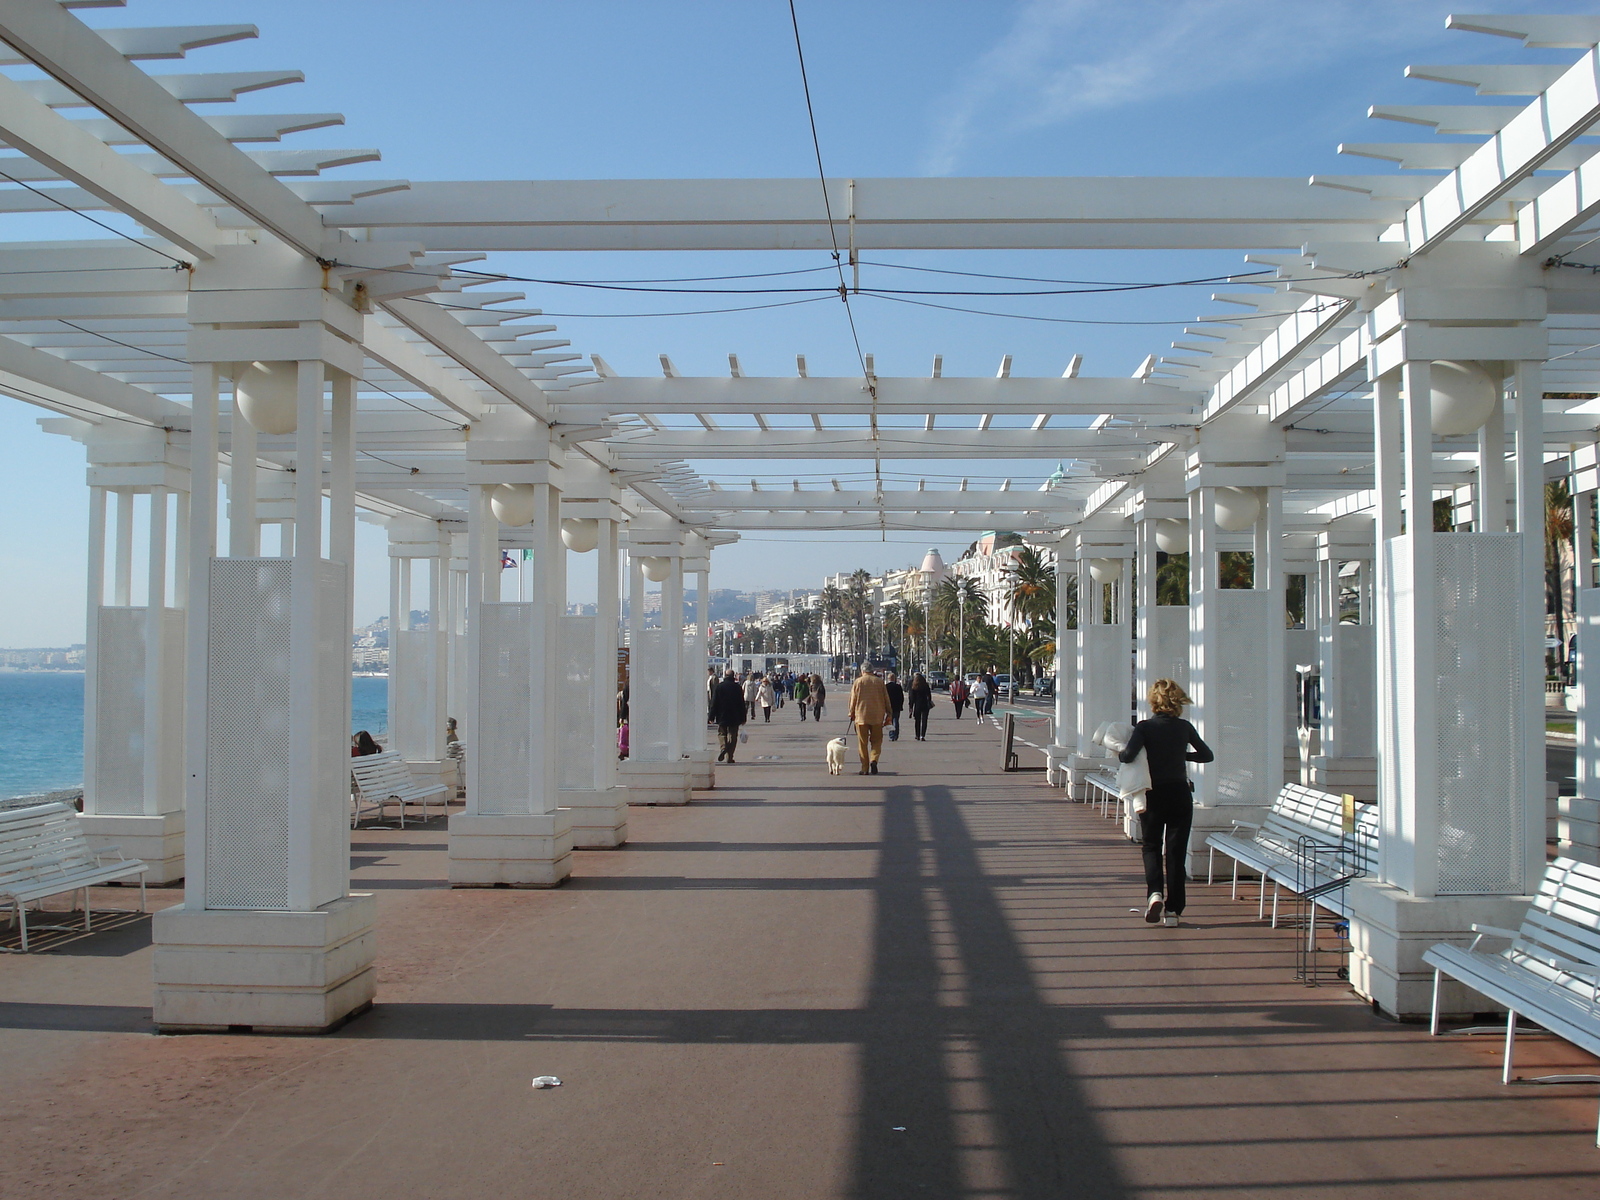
x=591 y=511
x=133 y=678
x=514 y=832
x=657 y=770
x=418 y=657
x=1104 y=675
x=269 y=936
x=1347 y=664
x=1066 y=701
x=1578 y=816
x=692 y=670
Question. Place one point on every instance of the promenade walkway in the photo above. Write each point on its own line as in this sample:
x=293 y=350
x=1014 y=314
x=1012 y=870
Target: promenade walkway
x=924 y=984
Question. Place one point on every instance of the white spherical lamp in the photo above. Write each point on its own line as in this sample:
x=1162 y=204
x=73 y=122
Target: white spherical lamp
x=655 y=569
x=266 y=395
x=1172 y=535
x=580 y=534
x=513 y=503
x=1463 y=397
x=1105 y=570
x=1237 y=508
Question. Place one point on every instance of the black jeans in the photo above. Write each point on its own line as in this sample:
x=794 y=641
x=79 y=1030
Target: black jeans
x=1168 y=814
x=919 y=721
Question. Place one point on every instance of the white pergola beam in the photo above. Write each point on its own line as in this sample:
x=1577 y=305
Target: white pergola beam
x=889 y=443
x=385 y=346
x=79 y=58
x=887 y=214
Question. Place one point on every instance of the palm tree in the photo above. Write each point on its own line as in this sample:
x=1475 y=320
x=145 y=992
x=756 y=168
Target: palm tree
x=955 y=597
x=1030 y=587
x=834 y=607
x=858 y=586
x=1558 y=531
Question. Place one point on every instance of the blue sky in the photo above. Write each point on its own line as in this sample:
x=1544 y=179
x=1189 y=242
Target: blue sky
x=496 y=89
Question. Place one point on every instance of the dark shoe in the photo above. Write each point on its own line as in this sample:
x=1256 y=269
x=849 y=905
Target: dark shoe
x=874 y=768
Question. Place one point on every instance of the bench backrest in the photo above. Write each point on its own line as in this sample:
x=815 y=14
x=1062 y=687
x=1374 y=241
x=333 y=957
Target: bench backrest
x=41 y=842
x=1299 y=811
x=383 y=774
x=1562 y=922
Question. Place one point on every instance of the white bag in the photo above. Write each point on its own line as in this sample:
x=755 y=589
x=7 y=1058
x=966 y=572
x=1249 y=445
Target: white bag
x=1133 y=778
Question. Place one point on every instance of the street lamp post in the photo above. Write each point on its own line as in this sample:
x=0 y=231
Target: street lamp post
x=961 y=632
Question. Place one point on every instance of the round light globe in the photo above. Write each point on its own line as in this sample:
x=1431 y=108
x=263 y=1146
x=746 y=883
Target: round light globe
x=1105 y=570
x=655 y=569
x=1172 y=535
x=580 y=534
x=265 y=394
x=1237 y=508
x=513 y=503
x=1463 y=397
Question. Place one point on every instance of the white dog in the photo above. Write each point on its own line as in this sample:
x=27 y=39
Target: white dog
x=836 y=756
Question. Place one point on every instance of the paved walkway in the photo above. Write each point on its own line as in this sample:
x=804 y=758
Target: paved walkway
x=924 y=984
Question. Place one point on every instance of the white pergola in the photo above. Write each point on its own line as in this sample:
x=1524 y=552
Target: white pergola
x=319 y=345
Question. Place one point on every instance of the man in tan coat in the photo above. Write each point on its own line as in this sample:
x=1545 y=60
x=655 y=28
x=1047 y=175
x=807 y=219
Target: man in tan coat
x=869 y=713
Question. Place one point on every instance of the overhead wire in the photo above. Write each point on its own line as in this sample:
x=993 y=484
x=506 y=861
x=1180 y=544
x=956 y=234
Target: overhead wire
x=838 y=261
x=179 y=264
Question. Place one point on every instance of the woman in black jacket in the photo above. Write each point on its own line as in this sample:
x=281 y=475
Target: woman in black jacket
x=1169 y=743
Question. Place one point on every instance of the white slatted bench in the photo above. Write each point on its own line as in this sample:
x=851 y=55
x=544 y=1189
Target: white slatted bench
x=382 y=779
x=1302 y=846
x=1550 y=971
x=1105 y=784
x=43 y=853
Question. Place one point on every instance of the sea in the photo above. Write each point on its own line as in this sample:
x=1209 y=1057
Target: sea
x=41 y=726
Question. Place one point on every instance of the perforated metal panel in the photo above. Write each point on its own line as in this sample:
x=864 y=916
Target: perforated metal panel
x=328 y=810
x=117 y=788
x=1478 y=644
x=247 y=735
x=575 y=749
x=1106 y=683
x=411 y=696
x=692 y=682
x=505 y=709
x=1247 y=770
x=1356 y=718
x=1169 y=655
x=1397 y=708
x=647 y=698
x=1299 y=649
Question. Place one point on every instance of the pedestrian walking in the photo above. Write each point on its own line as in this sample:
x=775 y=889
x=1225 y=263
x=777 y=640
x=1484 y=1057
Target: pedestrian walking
x=979 y=693
x=764 y=699
x=869 y=713
x=802 y=693
x=958 y=696
x=1169 y=743
x=712 y=680
x=897 y=703
x=728 y=707
x=992 y=685
x=819 y=694
x=919 y=699
x=752 y=690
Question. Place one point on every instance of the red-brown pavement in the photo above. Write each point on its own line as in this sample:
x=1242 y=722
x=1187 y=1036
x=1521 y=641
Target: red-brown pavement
x=926 y=983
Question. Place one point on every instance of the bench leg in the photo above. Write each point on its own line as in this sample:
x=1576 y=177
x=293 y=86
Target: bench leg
x=1274 y=904
x=22 y=917
x=1211 y=862
x=1433 y=1020
x=1233 y=894
x=86 y=913
x=141 y=894
x=1511 y=1044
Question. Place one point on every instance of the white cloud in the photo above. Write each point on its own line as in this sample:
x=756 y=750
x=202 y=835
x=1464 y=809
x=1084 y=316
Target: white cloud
x=1064 y=58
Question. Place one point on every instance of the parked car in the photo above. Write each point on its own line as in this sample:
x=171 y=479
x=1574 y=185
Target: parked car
x=1003 y=684
x=1046 y=687
x=939 y=680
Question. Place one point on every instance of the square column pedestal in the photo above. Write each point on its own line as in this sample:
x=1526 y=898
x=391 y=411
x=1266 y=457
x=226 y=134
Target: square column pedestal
x=157 y=839
x=657 y=783
x=271 y=972
x=702 y=774
x=599 y=817
x=523 y=851
x=1390 y=930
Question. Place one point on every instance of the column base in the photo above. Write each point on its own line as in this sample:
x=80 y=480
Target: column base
x=1077 y=767
x=660 y=783
x=599 y=817
x=158 y=840
x=702 y=772
x=1056 y=758
x=1218 y=818
x=268 y=972
x=1578 y=829
x=1357 y=777
x=1390 y=930
x=531 y=851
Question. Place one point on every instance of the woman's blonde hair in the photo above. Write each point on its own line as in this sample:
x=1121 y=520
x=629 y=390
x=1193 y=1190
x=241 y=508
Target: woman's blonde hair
x=1167 y=698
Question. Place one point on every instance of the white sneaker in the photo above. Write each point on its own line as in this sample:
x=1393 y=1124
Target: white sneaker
x=1152 y=912
x=1170 y=920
